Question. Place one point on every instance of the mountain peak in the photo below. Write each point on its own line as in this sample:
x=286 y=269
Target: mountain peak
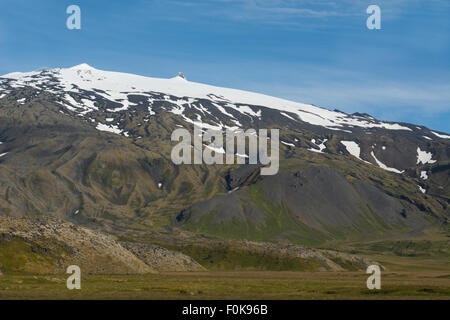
x=181 y=75
x=82 y=66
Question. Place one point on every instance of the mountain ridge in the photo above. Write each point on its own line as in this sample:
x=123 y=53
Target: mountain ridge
x=76 y=75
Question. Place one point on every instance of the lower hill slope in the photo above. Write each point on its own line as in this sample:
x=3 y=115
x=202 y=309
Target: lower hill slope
x=48 y=246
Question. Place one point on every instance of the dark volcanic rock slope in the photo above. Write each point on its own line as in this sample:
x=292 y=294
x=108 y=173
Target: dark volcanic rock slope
x=310 y=205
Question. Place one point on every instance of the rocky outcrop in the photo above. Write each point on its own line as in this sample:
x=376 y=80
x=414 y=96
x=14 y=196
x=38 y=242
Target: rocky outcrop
x=47 y=245
x=162 y=259
x=324 y=260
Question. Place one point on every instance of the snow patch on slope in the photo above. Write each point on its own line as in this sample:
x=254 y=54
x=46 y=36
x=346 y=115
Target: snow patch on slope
x=321 y=146
x=287 y=143
x=352 y=148
x=287 y=116
x=443 y=136
x=424 y=157
x=383 y=166
x=108 y=128
x=423 y=175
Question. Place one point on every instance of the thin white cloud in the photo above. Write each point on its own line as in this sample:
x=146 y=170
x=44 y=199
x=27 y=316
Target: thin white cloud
x=422 y=98
x=305 y=14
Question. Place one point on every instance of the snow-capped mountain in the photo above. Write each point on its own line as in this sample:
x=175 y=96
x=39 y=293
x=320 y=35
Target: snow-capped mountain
x=91 y=145
x=103 y=97
x=81 y=89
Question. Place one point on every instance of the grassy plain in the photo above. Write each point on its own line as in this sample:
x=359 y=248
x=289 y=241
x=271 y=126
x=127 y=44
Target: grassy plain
x=231 y=285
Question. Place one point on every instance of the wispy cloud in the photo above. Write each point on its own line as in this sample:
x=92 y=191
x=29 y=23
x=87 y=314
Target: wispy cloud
x=311 y=14
x=422 y=103
x=422 y=98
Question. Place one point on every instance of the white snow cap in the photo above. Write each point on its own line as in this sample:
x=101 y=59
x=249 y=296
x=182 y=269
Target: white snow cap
x=116 y=86
x=82 y=66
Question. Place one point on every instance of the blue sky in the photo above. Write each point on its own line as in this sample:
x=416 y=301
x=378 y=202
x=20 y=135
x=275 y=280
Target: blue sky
x=312 y=51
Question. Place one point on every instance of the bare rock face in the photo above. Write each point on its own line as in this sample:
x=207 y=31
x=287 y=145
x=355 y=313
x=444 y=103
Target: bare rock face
x=47 y=245
x=162 y=259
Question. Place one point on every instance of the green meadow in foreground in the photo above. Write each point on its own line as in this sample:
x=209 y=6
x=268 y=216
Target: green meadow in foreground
x=410 y=270
x=406 y=277
x=231 y=285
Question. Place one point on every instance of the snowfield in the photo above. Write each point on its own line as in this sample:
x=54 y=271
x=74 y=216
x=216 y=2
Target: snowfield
x=116 y=87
